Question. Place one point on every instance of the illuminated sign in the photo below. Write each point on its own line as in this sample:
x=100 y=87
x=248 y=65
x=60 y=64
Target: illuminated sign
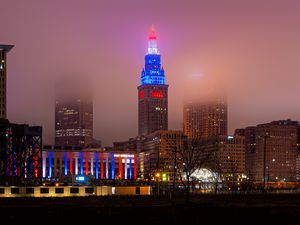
x=80 y=178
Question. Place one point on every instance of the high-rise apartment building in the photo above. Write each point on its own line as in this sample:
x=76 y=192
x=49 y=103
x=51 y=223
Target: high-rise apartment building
x=73 y=114
x=272 y=151
x=231 y=155
x=4 y=49
x=152 y=92
x=157 y=153
x=205 y=118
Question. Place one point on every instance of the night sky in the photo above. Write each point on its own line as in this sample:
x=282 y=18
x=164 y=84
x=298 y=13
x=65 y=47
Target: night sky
x=253 y=47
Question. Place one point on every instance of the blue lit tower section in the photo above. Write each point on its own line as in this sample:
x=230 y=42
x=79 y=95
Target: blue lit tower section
x=153 y=91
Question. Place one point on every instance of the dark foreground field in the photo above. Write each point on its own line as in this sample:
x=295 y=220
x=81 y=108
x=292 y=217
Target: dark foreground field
x=203 y=209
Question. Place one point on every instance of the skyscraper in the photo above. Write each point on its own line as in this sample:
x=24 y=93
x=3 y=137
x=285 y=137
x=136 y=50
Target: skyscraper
x=4 y=49
x=153 y=91
x=73 y=114
x=205 y=118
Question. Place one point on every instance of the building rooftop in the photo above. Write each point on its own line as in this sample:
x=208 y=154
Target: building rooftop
x=6 y=48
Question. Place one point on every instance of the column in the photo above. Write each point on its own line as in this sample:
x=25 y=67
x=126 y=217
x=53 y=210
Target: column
x=76 y=165
x=87 y=163
x=50 y=158
x=65 y=163
x=102 y=165
x=44 y=163
x=97 y=165
x=125 y=168
x=112 y=166
x=120 y=168
x=71 y=162
x=130 y=168
x=134 y=167
x=81 y=163
x=106 y=169
x=92 y=166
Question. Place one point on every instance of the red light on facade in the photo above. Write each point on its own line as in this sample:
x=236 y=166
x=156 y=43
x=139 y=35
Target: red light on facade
x=134 y=168
x=120 y=168
x=156 y=94
x=142 y=94
x=36 y=163
x=71 y=162
x=86 y=163
x=18 y=172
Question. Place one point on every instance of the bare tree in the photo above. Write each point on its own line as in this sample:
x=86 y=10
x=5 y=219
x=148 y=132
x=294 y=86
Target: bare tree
x=193 y=155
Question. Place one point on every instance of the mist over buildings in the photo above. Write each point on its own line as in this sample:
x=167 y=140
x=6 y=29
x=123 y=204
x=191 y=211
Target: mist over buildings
x=251 y=48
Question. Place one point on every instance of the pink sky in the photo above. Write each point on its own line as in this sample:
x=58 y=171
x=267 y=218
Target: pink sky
x=253 y=46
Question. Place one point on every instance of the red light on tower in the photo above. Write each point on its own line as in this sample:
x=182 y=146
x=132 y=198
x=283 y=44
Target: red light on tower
x=142 y=94
x=152 y=35
x=157 y=94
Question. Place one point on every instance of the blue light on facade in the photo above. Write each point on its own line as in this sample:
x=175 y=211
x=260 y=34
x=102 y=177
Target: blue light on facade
x=81 y=163
x=112 y=166
x=153 y=73
x=97 y=165
x=66 y=163
x=50 y=158
x=130 y=168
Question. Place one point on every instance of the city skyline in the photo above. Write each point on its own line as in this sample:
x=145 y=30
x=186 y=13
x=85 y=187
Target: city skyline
x=261 y=78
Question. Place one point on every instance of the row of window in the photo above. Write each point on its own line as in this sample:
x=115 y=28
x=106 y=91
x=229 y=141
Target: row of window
x=45 y=190
x=58 y=190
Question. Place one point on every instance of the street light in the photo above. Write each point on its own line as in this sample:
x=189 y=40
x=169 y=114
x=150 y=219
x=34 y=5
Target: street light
x=157 y=175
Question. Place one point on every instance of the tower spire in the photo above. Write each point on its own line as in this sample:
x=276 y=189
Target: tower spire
x=152 y=35
x=152 y=44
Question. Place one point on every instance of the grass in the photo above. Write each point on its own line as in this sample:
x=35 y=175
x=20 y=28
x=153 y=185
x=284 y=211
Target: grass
x=203 y=209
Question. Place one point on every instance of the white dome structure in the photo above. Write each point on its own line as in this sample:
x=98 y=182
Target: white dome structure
x=205 y=175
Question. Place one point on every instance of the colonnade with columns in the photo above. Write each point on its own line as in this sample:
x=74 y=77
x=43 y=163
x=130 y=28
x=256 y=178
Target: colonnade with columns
x=99 y=164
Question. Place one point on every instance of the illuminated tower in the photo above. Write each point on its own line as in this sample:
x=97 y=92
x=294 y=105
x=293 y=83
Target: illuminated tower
x=3 y=50
x=152 y=92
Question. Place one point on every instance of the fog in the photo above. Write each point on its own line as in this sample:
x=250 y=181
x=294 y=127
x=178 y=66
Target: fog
x=251 y=47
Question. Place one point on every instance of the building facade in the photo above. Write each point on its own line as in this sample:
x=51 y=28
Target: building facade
x=4 y=49
x=272 y=151
x=231 y=154
x=20 y=153
x=152 y=92
x=88 y=163
x=157 y=153
x=205 y=118
x=73 y=115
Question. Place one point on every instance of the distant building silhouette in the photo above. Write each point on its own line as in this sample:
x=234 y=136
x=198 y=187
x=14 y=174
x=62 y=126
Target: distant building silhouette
x=205 y=118
x=73 y=114
x=4 y=49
